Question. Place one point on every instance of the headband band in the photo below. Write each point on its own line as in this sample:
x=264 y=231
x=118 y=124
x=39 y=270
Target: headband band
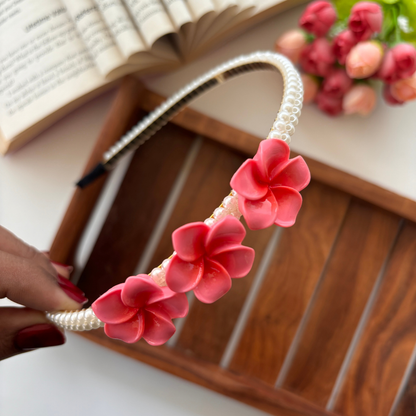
x=265 y=190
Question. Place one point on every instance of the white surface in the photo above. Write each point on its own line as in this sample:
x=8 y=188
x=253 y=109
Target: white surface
x=36 y=185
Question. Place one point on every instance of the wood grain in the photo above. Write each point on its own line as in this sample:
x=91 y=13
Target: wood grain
x=382 y=355
x=290 y=281
x=407 y=404
x=248 y=143
x=122 y=115
x=135 y=210
x=254 y=393
x=356 y=261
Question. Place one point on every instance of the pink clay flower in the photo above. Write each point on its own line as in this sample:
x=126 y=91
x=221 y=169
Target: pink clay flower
x=140 y=308
x=208 y=257
x=268 y=186
x=360 y=99
x=290 y=44
x=364 y=59
x=318 y=18
x=365 y=19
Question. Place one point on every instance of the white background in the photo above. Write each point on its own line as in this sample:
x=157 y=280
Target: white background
x=36 y=184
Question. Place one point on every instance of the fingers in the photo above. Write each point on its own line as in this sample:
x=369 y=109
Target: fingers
x=35 y=285
x=13 y=245
x=23 y=329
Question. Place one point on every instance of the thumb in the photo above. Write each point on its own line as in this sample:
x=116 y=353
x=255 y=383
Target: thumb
x=24 y=329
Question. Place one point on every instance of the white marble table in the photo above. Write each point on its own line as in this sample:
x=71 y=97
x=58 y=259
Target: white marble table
x=36 y=185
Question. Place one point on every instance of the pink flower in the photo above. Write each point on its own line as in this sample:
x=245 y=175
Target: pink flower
x=360 y=99
x=208 y=257
x=318 y=18
x=405 y=89
x=399 y=63
x=342 y=45
x=365 y=19
x=310 y=88
x=140 y=308
x=268 y=186
x=337 y=83
x=329 y=104
x=364 y=59
x=388 y=96
x=290 y=44
x=317 y=58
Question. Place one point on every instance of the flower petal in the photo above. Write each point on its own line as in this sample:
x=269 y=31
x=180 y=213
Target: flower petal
x=237 y=260
x=272 y=157
x=295 y=174
x=175 y=306
x=215 y=283
x=289 y=202
x=130 y=331
x=259 y=214
x=140 y=290
x=182 y=276
x=247 y=181
x=188 y=240
x=228 y=231
x=158 y=326
x=110 y=308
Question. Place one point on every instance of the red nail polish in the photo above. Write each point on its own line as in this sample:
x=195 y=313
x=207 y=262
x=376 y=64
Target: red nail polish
x=38 y=336
x=70 y=268
x=71 y=290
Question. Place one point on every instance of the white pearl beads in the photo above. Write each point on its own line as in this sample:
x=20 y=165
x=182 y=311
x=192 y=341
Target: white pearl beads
x=83 y=320
x=283 y=128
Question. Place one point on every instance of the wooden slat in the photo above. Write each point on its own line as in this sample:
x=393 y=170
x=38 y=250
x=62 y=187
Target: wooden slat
x=356 y=261
x=135 y=210
x=122 y=115
x=407 y=404
x=276 y=402
x=248 y=143
x=289 y=284
x=389 y=338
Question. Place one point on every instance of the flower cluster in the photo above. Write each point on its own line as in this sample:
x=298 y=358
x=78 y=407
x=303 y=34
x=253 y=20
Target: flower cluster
x=206 y=257
x=341 y=58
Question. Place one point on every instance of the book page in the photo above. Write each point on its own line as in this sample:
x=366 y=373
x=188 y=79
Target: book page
x=121 y=27
x=96 y=35
x=151 y=19
x=44 y=64
x=178 y=12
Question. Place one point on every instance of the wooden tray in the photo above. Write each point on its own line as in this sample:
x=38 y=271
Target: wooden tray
x=325 y=323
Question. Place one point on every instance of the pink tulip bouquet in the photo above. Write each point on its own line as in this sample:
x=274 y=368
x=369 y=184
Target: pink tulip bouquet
x=345 y=47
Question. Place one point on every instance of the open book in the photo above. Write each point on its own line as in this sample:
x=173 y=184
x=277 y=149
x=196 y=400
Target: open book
x=54 y=54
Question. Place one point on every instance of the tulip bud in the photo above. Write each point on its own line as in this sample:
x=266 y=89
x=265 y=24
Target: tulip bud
x=290 y=44
x=364 y=59
x=360 y=99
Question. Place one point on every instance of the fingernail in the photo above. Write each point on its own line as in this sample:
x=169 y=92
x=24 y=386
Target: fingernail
x=69 y=268
x=71 y=290
x=38 y=336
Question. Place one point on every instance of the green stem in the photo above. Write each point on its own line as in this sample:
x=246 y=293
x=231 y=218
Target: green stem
x=397 y=36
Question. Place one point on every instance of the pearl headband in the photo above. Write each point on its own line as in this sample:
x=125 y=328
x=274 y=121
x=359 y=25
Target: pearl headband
x=207 y=254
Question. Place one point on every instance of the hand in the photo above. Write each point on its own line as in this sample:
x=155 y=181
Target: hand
x=29 y=278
